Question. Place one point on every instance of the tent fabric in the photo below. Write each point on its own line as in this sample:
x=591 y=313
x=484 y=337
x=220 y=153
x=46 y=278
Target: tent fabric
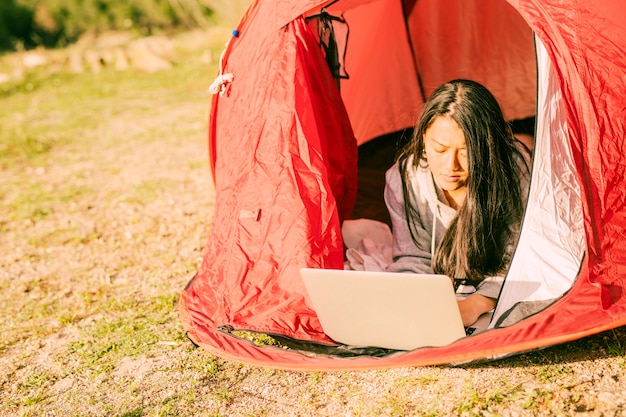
x=551 y=243
x=588 y=53
x=282 y=146
x=277 y=178
x=399 y=59
x=383 y=93
x=492 y=45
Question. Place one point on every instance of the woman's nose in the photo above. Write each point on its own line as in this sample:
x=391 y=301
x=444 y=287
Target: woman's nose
x=452 y=161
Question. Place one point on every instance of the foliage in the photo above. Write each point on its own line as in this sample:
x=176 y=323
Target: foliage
x=15 y=24
x=54 y=23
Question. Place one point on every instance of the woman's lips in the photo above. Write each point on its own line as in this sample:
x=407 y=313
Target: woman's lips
x=451 y=178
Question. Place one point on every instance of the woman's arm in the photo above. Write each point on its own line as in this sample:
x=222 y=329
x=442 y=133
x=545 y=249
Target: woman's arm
x=480 y=301
x=473 y=306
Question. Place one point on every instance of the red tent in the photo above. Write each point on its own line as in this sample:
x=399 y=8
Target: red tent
x=283 y=148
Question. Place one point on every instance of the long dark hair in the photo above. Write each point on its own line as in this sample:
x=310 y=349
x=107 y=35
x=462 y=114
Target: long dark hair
x=475 y=244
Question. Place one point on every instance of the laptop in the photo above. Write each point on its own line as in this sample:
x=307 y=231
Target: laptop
x=391 y=310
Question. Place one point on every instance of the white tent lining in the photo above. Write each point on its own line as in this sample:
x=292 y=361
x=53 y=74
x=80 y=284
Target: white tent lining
x=551 y=244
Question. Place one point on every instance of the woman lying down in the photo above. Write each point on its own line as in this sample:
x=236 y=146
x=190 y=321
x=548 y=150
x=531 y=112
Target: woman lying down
x=455 y=195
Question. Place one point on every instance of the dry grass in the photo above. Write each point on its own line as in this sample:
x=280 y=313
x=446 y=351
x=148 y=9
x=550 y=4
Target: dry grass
x=106 y=207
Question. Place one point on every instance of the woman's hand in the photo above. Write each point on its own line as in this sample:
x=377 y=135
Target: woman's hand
x=473 y=306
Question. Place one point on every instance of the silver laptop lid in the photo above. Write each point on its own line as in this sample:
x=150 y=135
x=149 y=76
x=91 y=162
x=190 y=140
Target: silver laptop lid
x=391 y=310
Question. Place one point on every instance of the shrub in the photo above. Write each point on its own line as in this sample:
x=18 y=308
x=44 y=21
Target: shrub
x=15 y=25
x=54 y=23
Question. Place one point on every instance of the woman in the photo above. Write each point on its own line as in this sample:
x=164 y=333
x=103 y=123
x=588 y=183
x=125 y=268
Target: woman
x=457 y=192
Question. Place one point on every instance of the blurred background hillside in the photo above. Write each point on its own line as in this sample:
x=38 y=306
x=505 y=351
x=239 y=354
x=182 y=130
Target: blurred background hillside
x=28 y=24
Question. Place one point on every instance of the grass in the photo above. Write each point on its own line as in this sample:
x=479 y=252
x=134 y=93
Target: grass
x=73 y=214
x=106 y=204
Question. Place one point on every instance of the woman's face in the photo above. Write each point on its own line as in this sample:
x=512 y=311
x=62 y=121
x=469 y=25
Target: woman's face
x=446 y=153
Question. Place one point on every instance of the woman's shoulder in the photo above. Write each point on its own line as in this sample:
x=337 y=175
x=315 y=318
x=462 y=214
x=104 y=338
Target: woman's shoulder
x=399 y=168
x=392 y=175
x=522 y=153
x=418 y=178
x=522 y=157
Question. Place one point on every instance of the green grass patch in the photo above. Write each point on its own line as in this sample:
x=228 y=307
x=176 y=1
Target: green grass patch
x=148 y=191
x=31 y=81
x=134 y=413
x=29 y=311
x=38 y=200
x=26 y=145
x=257 y=338
x=87 y=280
x=52 y=110
x=616 y=344
x=28 y=148
x=129 y=329
x=477 y=402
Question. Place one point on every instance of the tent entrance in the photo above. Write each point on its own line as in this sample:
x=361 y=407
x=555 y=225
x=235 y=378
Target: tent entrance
x=374 y=159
